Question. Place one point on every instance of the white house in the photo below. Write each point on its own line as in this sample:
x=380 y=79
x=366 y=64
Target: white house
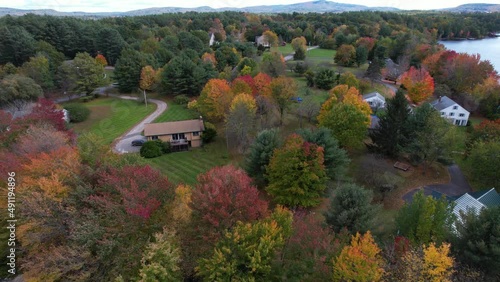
x=452 y=111
x=212 y=39
x=375 y=100
x=261 y=40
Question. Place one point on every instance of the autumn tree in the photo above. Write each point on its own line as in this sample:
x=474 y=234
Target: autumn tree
x=308 y=252
x=353 y=97
x=40 y=138
x=101 y=60
x=38 y=69
x=335 y=158
x=148 y=79
x=209 y=58
x=240 y=86
x=160 y=261
x=345 y=55
x=349 y=79
x=299 y=43
x=350 y=207
x=271 y=38
x=215 y=99
x=348 y=123
x=425 y=219
x=281 y=90
x=260 y=154
x=262 y=82
x=224 y=196
x=360 y=261
x=419 y=83
x=246 y=252
x=296 y=173
x=240 y=120
x=438 y=263
x=273 y=64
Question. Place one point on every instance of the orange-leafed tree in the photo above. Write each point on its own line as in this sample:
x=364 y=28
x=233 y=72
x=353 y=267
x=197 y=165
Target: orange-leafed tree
x=215 y=99
x=239 y=86
x=360 y=261
x=419 y=83
x=209 y=58
x=353 y=97
x=262 y=81
x=148 y=78
x=101 y=60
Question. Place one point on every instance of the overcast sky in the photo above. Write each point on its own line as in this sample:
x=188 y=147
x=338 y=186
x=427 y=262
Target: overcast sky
x=127 y=5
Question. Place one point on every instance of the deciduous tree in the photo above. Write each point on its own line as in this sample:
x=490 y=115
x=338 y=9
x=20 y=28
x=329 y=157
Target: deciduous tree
x=240 y=120
x=296 y=173
x=345 y=55
x=281 y=90
x=101 y=60
x=438 y=263
x=273 y=64
x=271 y=38
x=215 y=99
x=89 y=74
x=419 y=83
x=262 y=82
x=348 y=123
x=360 y=261
x=17 y=91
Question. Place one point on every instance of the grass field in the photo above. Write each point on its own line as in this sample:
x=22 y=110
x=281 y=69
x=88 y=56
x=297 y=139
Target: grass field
x=176 y=112
x=284 y=50
x=111 y=117
x=184 y=167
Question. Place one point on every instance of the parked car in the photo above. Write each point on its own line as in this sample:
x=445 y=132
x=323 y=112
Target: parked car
x=138 y=142
x=296 y=99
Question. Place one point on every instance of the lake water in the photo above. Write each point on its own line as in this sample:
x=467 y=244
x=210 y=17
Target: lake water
x=488 y=49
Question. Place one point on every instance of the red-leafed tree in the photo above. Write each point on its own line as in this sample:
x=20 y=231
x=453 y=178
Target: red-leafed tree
x=224 y=196
x=366 y=42
x=419 y=83
x=262 y=82
x=101 y=60
x=46 y=111
x=307 y=255
x=248 y=79
x=141 y=190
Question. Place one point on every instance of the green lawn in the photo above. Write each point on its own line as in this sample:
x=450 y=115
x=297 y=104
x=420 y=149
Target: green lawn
x=284 y=50
x=184 y=167
x=176 y=112
x=112 y=117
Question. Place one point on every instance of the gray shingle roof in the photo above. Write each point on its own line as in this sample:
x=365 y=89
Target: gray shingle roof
x=373 y=94
x=490 y=198
x=442 y=103
x=465 y=203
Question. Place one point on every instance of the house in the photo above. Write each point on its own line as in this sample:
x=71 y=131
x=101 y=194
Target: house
x=375 y=100
x=450 y=110
x=212 y=39
x=181 y=134
x=262 y=40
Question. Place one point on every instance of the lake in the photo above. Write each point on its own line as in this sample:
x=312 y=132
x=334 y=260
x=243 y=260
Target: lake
x=488 y=48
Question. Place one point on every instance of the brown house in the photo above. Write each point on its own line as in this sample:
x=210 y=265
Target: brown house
x=181 y=134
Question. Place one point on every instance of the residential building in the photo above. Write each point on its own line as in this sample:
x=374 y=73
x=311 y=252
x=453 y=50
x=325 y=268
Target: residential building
x=375 y=100
x=451 y=111
x=181 y=134
x=262 y=40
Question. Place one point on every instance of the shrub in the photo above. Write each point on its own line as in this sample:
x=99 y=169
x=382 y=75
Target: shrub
x=209 y=134
x=181 y=99
x=301 y=68
x=151 y=149
x=325 y=79
x=77 y=112
x=86 y=98
x=164 y=146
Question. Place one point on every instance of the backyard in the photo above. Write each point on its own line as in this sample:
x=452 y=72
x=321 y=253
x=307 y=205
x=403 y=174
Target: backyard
x=112 y=117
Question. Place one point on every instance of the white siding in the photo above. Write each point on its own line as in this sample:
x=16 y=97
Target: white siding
x=456 y=115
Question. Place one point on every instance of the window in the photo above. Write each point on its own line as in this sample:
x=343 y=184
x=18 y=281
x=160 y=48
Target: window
x=455 y=107
x=461 y=115
x=452 y=114
x=154 y=137
x=196 y=133
x=177 y=136
x=443 y=113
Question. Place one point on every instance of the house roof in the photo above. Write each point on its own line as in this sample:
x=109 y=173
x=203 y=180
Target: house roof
x=373 y=94
x=442 y=103
x=164 y=128
x=489 y=198
x=465 y=203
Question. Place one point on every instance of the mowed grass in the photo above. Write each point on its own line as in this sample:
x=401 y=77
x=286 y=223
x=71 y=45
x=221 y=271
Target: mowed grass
x=184 y=167
x=176 y=112
x=284 y=50
x=112 y=117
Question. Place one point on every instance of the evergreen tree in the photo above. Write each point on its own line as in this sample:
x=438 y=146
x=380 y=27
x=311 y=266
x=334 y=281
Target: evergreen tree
x=128 y=70
x=260 y=154
x=351 y=208
x=392 y=133
x=110 y=43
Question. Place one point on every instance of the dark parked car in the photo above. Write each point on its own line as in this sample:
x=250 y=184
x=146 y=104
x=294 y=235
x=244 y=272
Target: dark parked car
x=138 y=142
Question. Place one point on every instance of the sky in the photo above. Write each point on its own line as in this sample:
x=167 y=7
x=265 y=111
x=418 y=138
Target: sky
x=128 y=5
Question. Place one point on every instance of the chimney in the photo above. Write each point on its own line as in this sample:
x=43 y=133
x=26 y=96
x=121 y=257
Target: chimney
x=439 y=99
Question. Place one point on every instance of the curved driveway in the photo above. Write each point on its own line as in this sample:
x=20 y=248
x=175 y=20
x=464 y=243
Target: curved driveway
x=123 y=143
x=458 y=185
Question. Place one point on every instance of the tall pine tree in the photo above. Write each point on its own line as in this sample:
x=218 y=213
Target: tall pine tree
x=391 y=135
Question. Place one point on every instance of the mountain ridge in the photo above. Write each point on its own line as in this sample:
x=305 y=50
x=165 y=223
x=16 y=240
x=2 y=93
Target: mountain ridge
x=319 y=6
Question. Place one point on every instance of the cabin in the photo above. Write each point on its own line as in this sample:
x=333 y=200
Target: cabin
x=180 y=134
x=451 y=111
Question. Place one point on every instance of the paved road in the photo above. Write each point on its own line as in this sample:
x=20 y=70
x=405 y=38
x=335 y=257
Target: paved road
x=458 y=185
x=289 y=57
x=123 y=143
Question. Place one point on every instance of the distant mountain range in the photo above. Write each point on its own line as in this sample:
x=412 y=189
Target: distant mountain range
x=321 y=6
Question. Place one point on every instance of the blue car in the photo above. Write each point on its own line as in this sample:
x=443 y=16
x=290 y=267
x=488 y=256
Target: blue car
x=296 y=99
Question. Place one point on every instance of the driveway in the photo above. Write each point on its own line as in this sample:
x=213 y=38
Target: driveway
x=458 y=185
x=289 y=57
x=123 y=143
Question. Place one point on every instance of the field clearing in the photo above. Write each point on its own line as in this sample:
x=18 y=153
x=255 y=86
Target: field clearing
x=111 y=117
x=176 y=112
